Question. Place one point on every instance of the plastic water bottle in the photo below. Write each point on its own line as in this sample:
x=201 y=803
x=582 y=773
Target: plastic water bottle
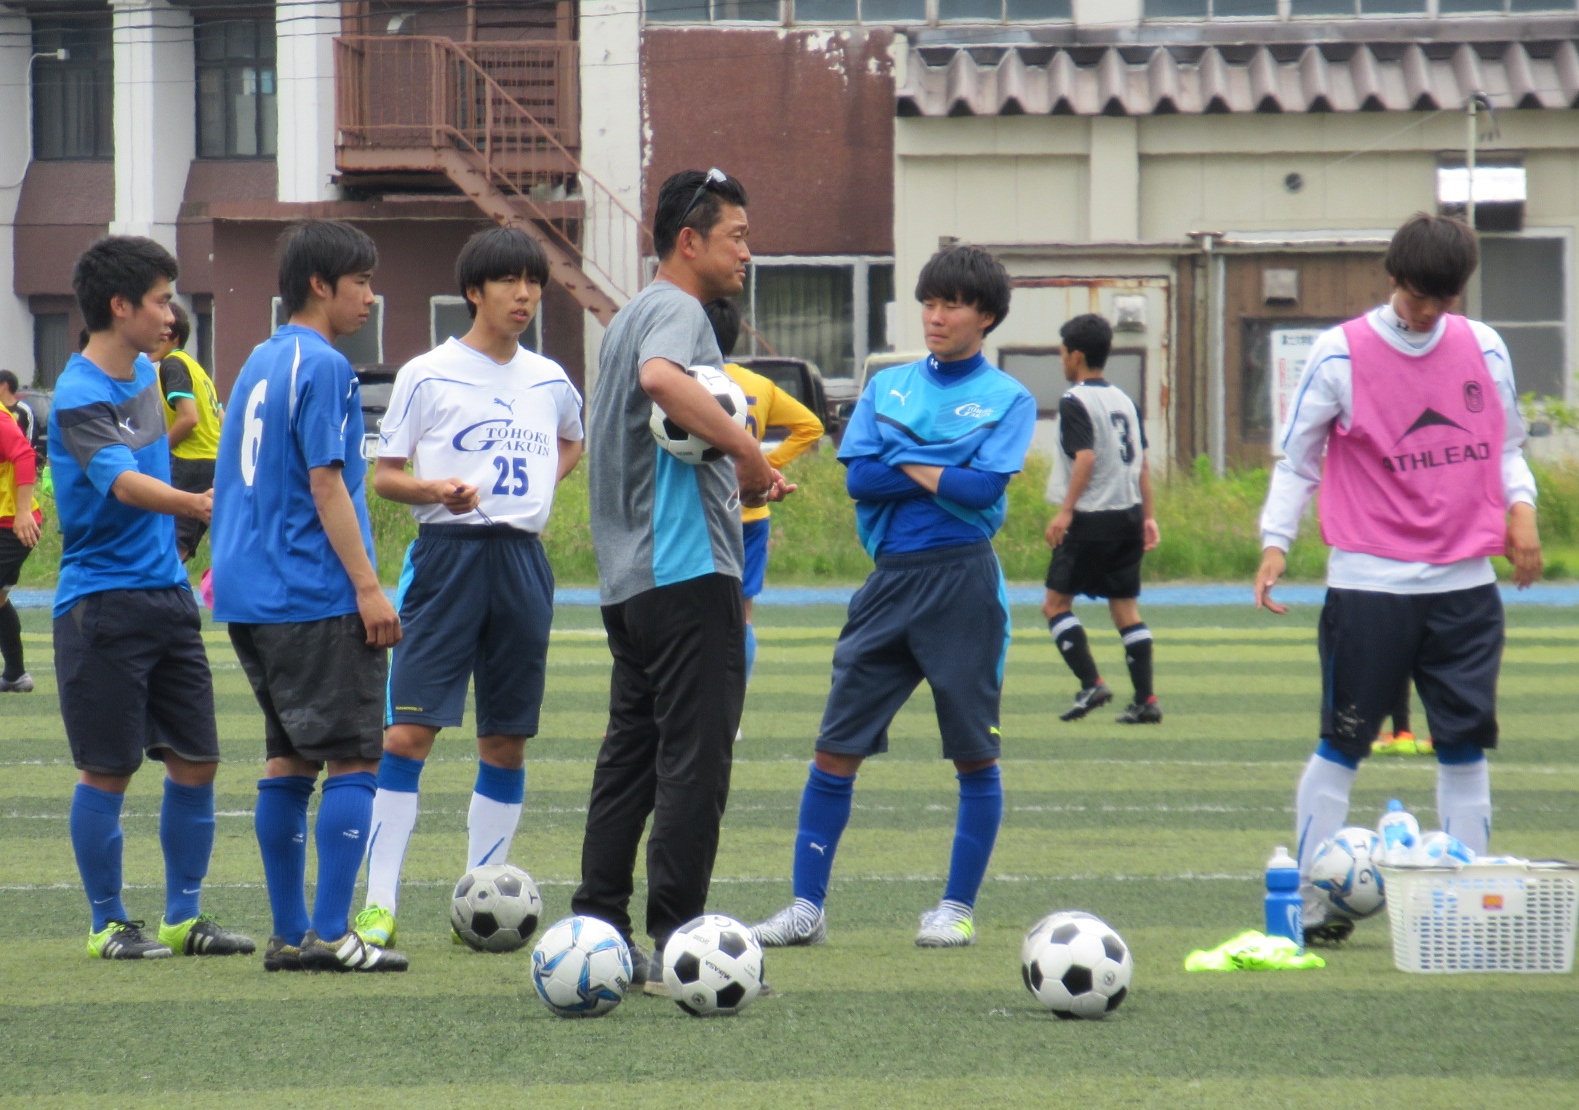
x=1440 y=849
x=1399 y=831
x=1285 y=912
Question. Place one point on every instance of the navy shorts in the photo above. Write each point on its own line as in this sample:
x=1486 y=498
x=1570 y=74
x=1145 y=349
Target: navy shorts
x=940 y=615
x=134 y=678
x=1373 y=643
x=319 y=684
x=474 y=600
x=1100 y=556
x=754 y=533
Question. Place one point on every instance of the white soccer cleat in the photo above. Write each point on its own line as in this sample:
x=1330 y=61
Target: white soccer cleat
x=796 y=924
x=951 y=925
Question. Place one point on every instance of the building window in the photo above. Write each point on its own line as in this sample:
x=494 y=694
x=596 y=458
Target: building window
x=863 y=11
x=52 y=347
x=713 y=11
x=236 y=100
x=73 y=107
x=832 y=312
x=448 y=318
x=1521 y=290
x=363 y=347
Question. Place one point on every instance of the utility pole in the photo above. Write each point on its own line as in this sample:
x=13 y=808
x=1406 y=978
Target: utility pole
x=1477 y=101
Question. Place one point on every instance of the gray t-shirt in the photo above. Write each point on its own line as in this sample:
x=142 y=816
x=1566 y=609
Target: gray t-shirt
x=655 y=520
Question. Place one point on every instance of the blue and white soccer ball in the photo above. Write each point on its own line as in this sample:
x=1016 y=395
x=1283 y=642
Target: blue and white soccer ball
x=1345 y=874
x=581 y=967
x=1076 y=965
x=712 y=966
x=681 y=443
x=496 y=908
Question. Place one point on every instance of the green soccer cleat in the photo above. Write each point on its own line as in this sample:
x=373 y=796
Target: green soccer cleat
x=376 y=925
x=125 y=940
x=348 y=953
x=279 y=956
x=951 y=925
x=203 y=936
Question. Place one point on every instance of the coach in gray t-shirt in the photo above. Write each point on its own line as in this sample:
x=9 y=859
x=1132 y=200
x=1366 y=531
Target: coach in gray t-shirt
x=667 y=537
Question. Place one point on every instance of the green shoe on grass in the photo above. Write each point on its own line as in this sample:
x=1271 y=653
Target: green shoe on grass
x=376 y=925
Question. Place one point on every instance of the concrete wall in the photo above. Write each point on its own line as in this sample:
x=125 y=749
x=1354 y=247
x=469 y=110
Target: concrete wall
x=16 y=322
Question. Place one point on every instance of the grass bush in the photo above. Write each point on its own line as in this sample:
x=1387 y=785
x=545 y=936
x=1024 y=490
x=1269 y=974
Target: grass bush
x=1208 y=522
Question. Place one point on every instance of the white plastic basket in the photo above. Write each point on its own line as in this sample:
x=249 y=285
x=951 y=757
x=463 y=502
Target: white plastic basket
x=1489 y=916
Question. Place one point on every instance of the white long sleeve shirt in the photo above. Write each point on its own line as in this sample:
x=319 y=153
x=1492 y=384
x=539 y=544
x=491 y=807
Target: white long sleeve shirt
x=1325 y=395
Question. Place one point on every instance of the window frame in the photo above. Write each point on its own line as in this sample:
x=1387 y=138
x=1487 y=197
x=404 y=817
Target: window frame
x=1473 y=301
x=534 y=330
x=265 y=137
x=375 y=320
x=860 y=302
x=788 y=17
x=100 y=69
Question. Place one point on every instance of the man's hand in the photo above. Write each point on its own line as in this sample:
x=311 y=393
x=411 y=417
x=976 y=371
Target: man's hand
x=1060 y=526
x=1524 y=545
x=455 y=495
x=26 y=529
x=201 y=506
x=1151 y=533
x=378 y=617
x=1273 y=564
x=757 y=479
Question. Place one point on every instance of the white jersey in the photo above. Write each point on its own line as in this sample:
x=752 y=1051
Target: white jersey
x=1326 y=394
x=456 y=413
x=1098 y=416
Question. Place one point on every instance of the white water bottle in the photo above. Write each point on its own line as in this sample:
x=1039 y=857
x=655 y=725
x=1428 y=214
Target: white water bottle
x=1399 y=831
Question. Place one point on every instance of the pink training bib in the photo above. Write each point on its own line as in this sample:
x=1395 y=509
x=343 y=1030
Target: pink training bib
x=1417 y=476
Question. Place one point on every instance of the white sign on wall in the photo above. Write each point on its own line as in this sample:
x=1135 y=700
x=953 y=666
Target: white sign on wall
x=1285 y=362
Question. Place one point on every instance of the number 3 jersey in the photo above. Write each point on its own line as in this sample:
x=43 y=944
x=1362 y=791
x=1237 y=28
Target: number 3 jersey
x=1098 y=416
x=456 y=413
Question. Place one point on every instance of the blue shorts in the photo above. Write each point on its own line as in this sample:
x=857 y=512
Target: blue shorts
x=940 y=615
x=1373 y=643
x=755 y=535
x=474 y=600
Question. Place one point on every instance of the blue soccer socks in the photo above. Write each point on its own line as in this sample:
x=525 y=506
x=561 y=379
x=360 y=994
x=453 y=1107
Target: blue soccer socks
x=186 y=833
x=751 y=650
x=344 y=815
x=824 y=811
x=975 y=833
x=281 y=823
x=495 y=812
x=394 y=819
x=96 y=841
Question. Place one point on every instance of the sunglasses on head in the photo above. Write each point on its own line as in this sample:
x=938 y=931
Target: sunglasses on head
x=715 y=176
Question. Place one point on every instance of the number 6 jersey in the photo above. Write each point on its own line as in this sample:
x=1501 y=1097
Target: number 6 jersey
x=1098 y=416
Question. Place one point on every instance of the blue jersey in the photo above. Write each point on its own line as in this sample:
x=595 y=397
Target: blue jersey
x=980 y=418
x=296 y=406
x=99 y=428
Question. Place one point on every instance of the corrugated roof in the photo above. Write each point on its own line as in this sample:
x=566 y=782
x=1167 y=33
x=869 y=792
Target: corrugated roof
x=1158 y=80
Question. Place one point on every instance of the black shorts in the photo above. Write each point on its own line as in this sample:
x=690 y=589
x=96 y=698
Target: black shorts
x=1100 y=555
x=476 y=601
x=1372 y=643
x=134 y=678
x=13 y=553
x=190 y=476
x=941 y=615
x=320 y=686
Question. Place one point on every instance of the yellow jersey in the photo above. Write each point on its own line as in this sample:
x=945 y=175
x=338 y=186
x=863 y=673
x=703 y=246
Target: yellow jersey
x=202 y=442
x=769 y=406
x=16 y=454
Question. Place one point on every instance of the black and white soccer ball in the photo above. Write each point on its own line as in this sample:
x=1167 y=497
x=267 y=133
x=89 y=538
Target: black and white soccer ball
x=496 y=908
x=581 y=967
x=712 y=966
x=1345 y=874
x=681 y=443
x=1076 y=965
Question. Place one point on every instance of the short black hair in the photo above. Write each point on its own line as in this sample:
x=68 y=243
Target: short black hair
x=675 y=210
x=725 y=318
x=968 y=275
x=9 y=379
x=1091 y=335
x=499 y=252
x=1433 y=256
x=181 y=330
x=328 y=249
x=118 y=266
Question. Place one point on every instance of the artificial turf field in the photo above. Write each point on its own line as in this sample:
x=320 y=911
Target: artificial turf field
x=1161 y=831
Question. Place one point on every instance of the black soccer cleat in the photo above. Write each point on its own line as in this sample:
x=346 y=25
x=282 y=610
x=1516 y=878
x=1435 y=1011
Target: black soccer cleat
x=1147 y=712
x=279 y=956
x=1092 y=697
x=1328 y=933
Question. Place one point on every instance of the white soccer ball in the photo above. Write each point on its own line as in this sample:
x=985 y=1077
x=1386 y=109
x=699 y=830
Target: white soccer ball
x=1076 y=965
x=581 y=967
x=496 y=908
x=1345 y=874
x=681 y=443
x=712 y=965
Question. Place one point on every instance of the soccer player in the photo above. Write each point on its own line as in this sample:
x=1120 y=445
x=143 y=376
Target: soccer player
x=770 y=407
x=930 y=450
x=667 y=539
x=490 y=429
x=293 y=574
x=1423 y=479
x=1104 y=525
x=129 y=654
x=20 y=518
x=19 y=409
x=192 y=414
